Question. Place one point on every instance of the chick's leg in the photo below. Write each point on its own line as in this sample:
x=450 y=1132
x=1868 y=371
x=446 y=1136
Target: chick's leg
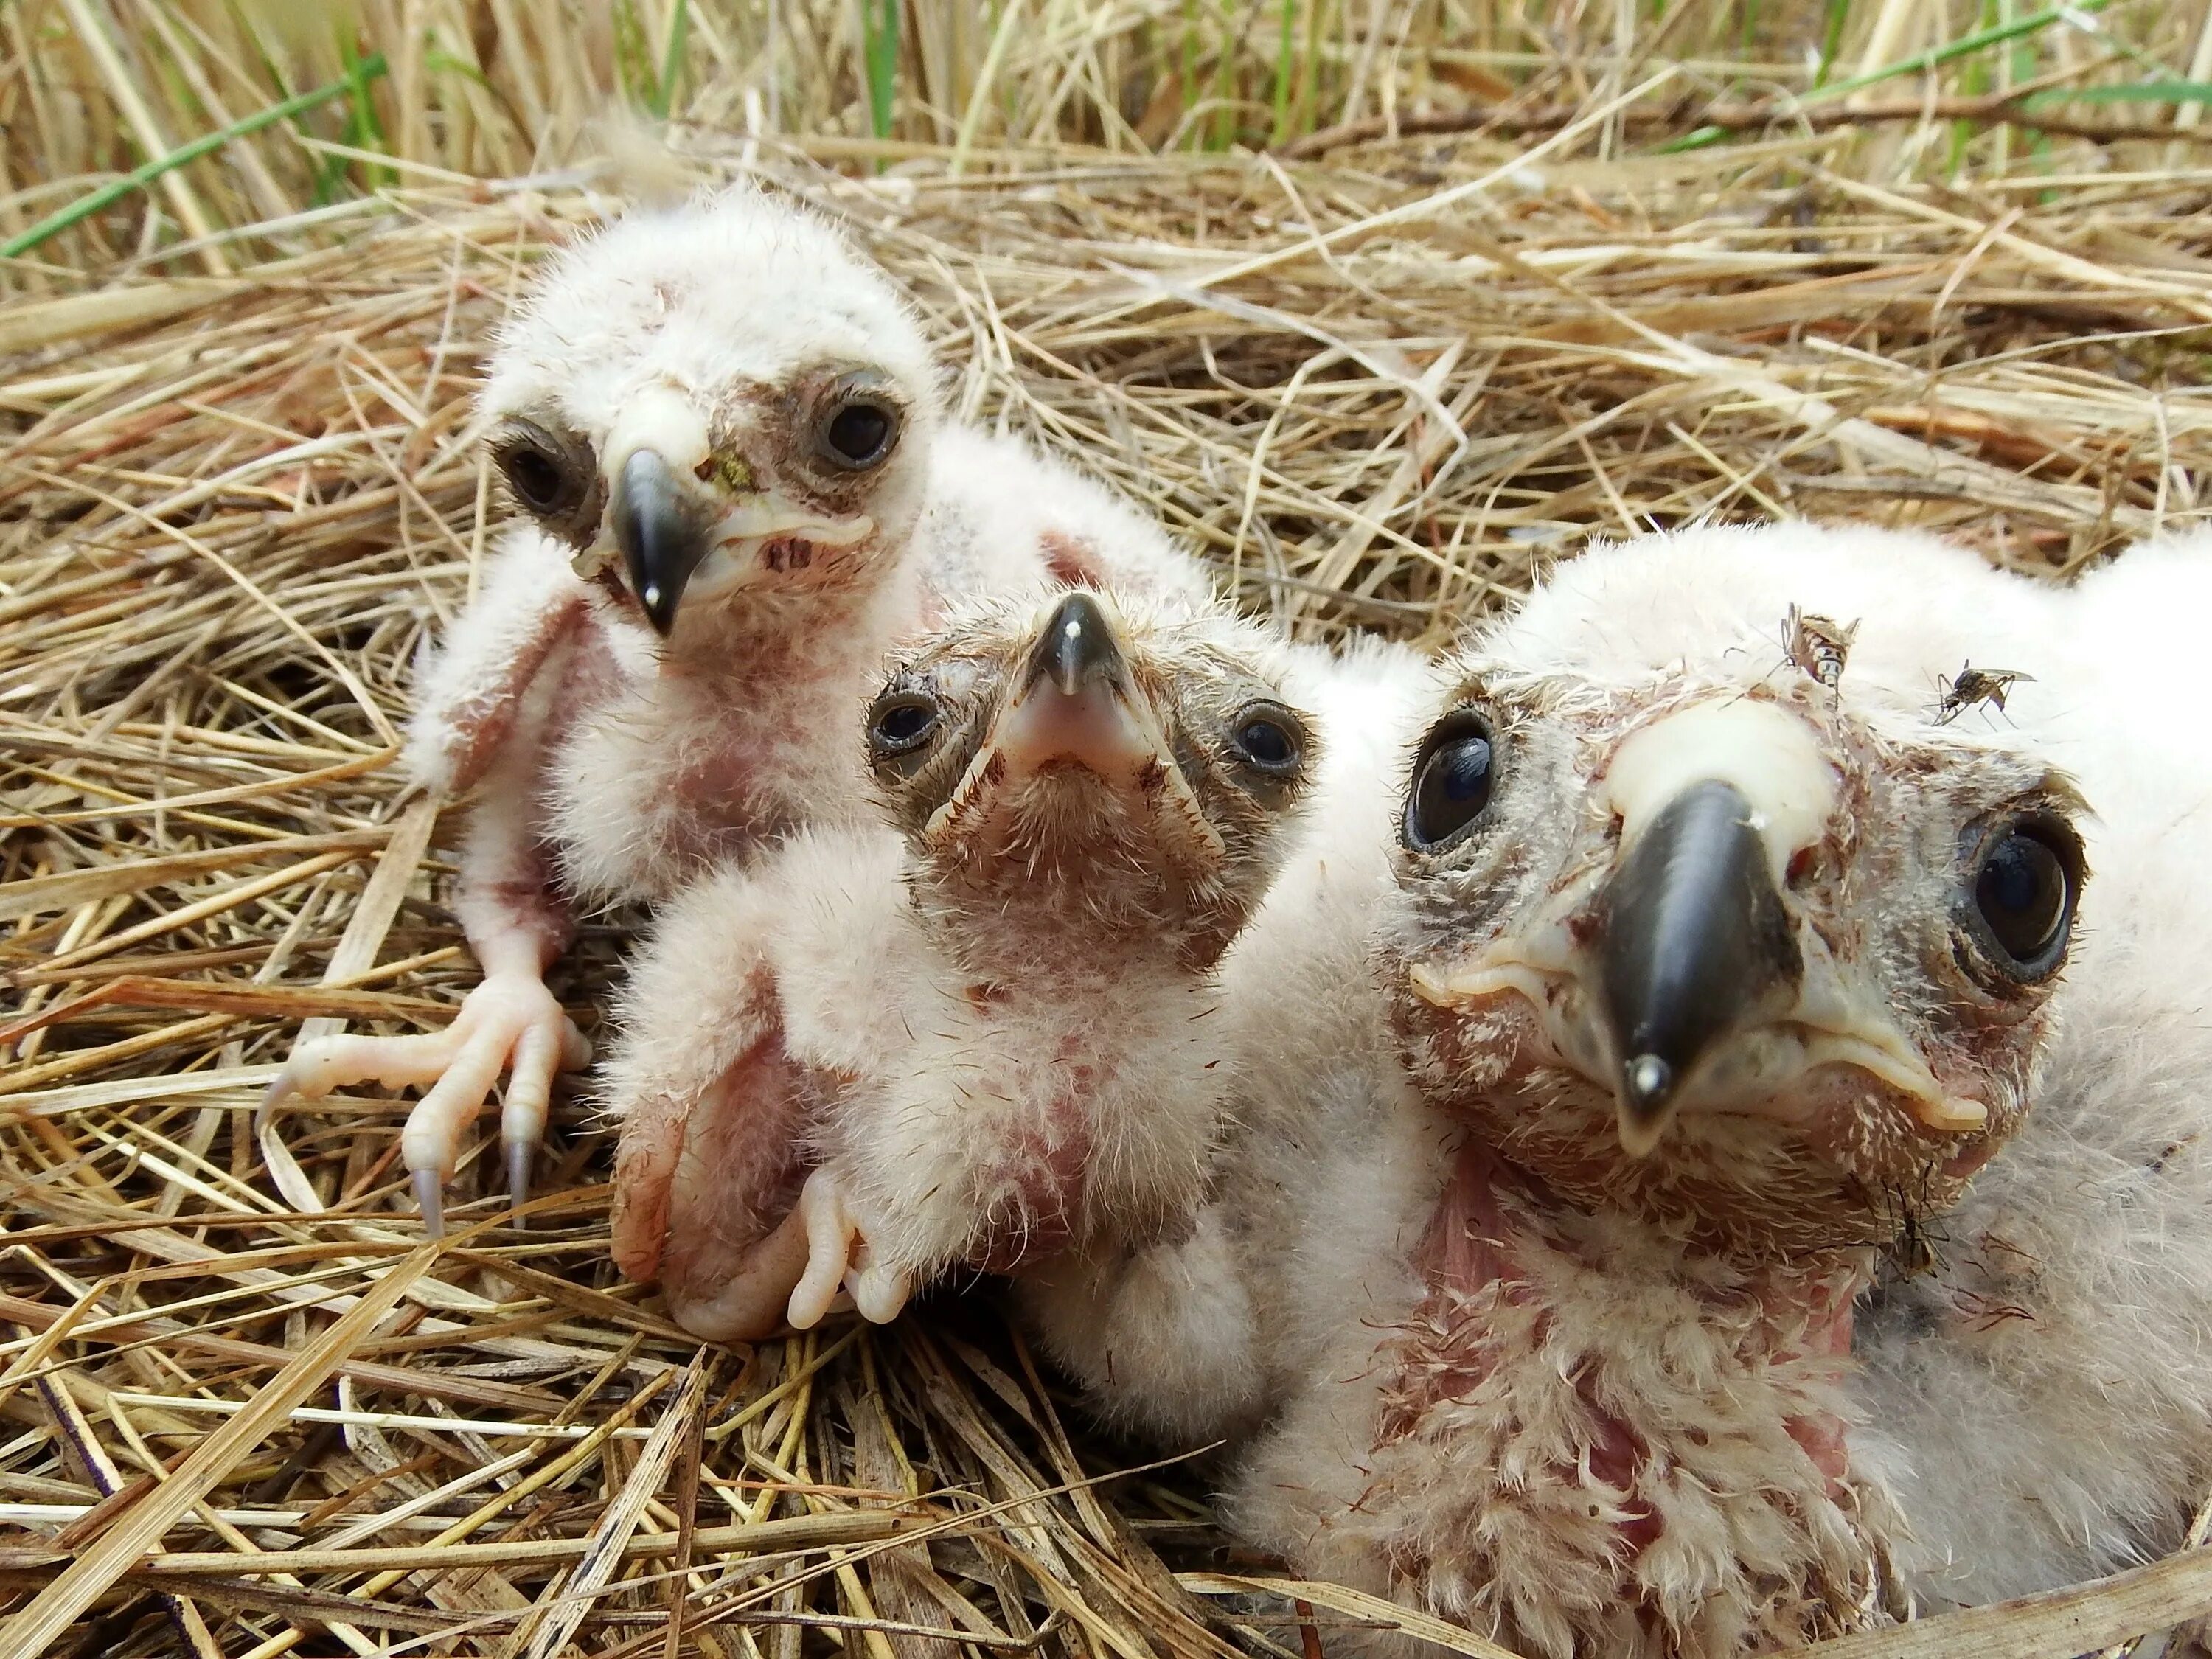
x=484 y=716
x=1164 y=1335
x=952 y=1159
x=713 y=1107
x=510 y=1022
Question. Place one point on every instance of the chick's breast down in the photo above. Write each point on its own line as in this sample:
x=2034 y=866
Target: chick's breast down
x=986 y=1031
x=736 y=488
x=1192 y=1340
x=2025 y=1400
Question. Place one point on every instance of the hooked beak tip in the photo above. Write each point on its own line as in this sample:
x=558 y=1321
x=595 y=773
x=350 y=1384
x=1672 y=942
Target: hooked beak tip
x=1648 y=1084
x=1697 y=944
x=1646 y=1104
x=1078 y=646
x=1078 y=702
x=659 y=529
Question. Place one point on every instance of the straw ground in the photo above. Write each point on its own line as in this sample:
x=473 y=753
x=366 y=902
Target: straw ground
x=1381 y=309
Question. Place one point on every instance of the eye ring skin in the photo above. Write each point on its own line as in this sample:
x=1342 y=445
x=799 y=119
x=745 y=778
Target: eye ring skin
x=1436 y=815
x=1266 y=715
x=861 y=390
x=893 y=746
x=1985 y=957
x=519 y=447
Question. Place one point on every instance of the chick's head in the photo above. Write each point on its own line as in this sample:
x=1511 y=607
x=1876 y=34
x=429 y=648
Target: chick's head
x=716 y=406
x=1723 y=941
x=1128 y=775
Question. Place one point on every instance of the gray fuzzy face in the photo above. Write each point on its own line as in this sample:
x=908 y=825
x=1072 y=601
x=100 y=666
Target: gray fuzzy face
x=1172 y=844
x=1915 y=920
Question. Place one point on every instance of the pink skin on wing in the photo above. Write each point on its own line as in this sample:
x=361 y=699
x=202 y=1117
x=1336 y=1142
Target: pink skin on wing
x=703 y=1201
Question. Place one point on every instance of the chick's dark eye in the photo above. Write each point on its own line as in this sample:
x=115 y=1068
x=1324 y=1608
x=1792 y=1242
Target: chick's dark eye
x=537 y=476
x=2023 y=895
x=1452 y=781
x=901 y=723
x=1269 y=739
x=859 y=434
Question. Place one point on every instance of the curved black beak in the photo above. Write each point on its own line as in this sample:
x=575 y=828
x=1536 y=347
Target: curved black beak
x=1696 y=945
x=663 y=534
x=1078 y=649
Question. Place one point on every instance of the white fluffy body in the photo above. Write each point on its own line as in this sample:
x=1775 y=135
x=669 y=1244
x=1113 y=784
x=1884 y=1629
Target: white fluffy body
x=2035 y=1409
x=1194 y=1340
x=991 y=1078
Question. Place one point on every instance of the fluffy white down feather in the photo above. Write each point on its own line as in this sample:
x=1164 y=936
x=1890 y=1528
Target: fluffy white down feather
x=2042 y=1404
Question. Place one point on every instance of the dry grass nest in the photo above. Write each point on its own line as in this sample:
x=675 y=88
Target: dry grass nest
x=248 y=1412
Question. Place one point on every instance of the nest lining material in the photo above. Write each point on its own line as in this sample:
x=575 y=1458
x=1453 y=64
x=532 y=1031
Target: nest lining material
x=247 y=1412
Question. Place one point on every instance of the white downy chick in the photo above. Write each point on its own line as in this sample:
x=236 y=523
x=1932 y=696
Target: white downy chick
x=1717 y=974
x=983 y=1037
x=2039 y=1404
x=737 y=489
x=1189 y=1340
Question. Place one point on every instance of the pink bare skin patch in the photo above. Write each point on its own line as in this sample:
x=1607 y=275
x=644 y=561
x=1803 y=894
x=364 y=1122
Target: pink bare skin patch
x=703 y=1184
x=1504 y=1434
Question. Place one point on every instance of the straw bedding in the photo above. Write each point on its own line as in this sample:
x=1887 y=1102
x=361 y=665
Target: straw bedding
x=245 y=1411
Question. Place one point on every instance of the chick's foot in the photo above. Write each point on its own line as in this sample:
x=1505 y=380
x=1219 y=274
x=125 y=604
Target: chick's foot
x=509 y=1023
x=838 y=1254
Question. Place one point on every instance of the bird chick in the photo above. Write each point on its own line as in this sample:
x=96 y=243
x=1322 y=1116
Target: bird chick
x=1716 y=979
x=2038 y=1401
x=1191 y=1340
x=980 y=1038
x=736 y=489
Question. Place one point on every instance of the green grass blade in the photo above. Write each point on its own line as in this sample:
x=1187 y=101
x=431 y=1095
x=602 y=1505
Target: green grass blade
x=1964 y=46
x=2137 y=92
x=879 y=28
x=1289 y=11
x=138 y=178
x=1975 y=80
x=671 y=61
x=1838 y=13
x=438 y=61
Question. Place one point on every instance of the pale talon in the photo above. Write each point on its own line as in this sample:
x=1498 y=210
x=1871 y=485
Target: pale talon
x=430 y=1199
x=838 y=1256
x=830 y=1231
x=880 y=1293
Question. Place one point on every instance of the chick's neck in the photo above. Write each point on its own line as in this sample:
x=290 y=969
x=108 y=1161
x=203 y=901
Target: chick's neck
x=1658 y=1419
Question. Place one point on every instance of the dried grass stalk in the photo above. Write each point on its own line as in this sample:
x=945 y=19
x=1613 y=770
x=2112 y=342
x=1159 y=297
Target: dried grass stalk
x=244 y=1413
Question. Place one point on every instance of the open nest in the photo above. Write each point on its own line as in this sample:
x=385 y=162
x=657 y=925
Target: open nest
x=247 y=1412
